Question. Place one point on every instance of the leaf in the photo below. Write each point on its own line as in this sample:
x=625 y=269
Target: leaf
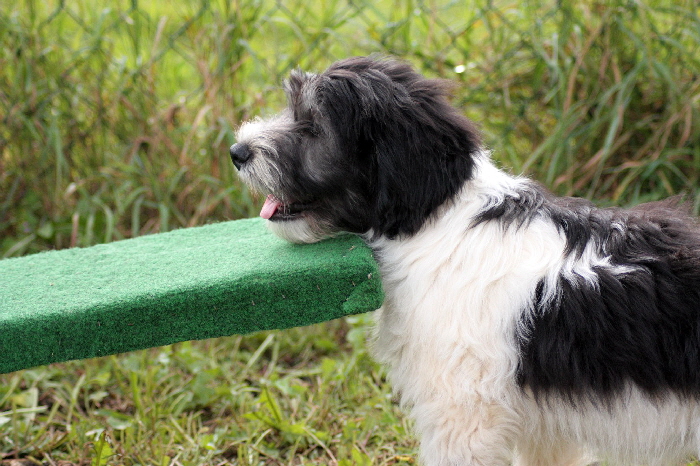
x=357 y=458
x=103 y=451
x=116 y=420
x=360 y=459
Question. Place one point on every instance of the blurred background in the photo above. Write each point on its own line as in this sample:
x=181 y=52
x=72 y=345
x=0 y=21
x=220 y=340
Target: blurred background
x=115 y=121
x=116 y=117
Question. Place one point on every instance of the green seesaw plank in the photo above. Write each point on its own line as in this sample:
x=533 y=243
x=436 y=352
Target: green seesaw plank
x=190 y=284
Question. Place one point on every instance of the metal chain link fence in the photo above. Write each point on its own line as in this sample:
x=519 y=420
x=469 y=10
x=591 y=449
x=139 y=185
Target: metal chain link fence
x=594 y=98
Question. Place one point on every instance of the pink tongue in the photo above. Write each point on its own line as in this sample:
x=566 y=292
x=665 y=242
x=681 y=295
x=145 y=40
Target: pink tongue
x=270 y=207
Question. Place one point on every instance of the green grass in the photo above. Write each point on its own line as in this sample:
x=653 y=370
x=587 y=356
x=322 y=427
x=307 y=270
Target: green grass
x=305 y=396
x=115 y=119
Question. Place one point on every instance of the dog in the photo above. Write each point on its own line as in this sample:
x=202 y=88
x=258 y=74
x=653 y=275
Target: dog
x=518 y=327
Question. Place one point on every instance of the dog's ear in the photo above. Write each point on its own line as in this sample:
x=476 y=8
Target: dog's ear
x=417 y=147
x=293 y=86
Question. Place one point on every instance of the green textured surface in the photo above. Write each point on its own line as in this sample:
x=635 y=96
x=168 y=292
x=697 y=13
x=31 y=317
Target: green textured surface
x=190 y=284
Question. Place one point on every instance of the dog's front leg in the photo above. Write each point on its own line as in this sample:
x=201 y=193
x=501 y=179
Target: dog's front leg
x=469 y=433
x=554 y=452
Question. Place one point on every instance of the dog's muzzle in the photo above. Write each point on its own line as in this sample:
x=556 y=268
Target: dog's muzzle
x=240 y=153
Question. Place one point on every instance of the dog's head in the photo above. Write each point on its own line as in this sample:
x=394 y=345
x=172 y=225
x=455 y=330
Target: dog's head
x=368 y=146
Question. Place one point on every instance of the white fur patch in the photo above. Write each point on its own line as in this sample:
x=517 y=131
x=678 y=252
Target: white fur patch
x=298 y=231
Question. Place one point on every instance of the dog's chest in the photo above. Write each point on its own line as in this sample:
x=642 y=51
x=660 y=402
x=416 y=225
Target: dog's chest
x=454 y=297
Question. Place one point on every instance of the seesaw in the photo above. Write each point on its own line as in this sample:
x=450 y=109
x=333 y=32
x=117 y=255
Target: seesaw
x=227 y=278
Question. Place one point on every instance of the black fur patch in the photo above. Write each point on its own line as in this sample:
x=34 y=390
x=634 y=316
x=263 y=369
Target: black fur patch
x=641 y=326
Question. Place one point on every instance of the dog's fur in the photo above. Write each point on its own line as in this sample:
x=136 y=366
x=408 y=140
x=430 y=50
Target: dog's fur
x=518 y=326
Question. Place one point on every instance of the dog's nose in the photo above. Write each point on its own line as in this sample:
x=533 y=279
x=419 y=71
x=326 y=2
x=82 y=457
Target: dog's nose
x=240 y=153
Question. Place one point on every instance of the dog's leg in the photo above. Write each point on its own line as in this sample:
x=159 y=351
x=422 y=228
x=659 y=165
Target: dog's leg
x=474 y=434
x=558 y=453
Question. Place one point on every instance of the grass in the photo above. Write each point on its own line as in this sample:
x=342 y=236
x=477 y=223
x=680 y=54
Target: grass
x=115 y=121
x=305 y=396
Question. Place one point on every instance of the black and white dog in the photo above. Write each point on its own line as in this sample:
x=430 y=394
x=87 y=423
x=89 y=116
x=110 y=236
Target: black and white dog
x=518 y=326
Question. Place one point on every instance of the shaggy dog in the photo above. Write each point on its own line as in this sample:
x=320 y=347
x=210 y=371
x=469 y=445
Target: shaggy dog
x=518 y=326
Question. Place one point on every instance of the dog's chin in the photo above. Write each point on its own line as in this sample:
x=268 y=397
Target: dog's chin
x=296 y=222
x=300 y=230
